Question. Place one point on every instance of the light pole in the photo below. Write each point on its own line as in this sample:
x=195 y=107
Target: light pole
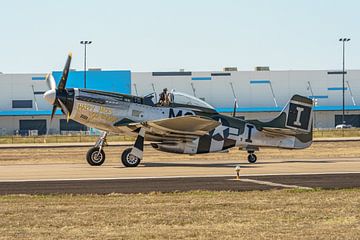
x=85 y=43
x=343 y=40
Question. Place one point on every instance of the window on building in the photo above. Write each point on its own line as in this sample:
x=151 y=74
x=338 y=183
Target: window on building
x=22 y=104
x=28 y=125
x=352 y=119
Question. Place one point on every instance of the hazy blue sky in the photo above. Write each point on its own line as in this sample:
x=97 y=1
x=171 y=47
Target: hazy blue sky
x=162 y=35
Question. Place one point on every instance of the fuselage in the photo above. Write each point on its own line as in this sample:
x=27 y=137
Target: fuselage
x=113 y=112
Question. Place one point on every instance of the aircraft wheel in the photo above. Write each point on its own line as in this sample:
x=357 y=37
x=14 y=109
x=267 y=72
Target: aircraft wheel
x=94 y=157
x=252 y=158
x=128 y=159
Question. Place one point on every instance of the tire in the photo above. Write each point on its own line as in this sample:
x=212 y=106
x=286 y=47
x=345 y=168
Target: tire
x=252 y=158
x=94 y=158
x=129 y=160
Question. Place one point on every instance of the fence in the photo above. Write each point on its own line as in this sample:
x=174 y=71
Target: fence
x=77 y=137
x=60 y=139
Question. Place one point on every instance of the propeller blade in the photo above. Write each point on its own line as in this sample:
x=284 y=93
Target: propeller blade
x=53 y=113
x=50 y=81
x=65 y=74
x=51 y=118
x=63 y=107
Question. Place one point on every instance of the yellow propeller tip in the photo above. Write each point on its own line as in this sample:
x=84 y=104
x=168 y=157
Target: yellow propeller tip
x=70 y=54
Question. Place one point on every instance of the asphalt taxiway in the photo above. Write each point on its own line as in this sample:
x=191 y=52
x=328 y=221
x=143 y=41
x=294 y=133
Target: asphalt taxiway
x=146 y=185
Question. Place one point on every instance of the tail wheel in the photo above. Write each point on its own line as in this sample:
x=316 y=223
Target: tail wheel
x=128 y=159
x=252 y=158
x=95 y=157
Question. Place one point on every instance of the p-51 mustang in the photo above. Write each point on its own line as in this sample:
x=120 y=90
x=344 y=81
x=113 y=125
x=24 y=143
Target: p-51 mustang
x=188 y=125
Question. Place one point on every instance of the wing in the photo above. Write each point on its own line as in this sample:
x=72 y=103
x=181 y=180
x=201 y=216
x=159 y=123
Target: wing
x=178 y=128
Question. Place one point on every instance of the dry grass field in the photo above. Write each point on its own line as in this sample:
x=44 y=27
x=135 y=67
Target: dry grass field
x=275 y=214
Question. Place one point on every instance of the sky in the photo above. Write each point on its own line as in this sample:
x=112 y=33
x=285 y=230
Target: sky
x=168 y=35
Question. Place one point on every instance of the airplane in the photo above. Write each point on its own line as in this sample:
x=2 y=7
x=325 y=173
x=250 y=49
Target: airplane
x=187 y=125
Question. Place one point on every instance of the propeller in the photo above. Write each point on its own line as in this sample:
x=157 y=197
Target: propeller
x=52 y=95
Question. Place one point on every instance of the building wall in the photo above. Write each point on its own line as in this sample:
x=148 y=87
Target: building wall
x=20 y=87
x=253 y=90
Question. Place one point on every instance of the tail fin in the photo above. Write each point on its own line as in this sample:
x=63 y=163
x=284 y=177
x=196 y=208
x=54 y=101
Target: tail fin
x=296 y=119
x=299 y=114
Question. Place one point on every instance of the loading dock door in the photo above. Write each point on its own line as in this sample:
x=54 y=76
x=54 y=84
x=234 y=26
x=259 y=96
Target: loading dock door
x=39 y=124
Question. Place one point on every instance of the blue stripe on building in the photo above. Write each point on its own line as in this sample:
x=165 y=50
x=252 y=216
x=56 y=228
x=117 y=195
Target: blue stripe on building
x=37 y=78
x=319 y=96
x=259 y=81
x=29 y=113
x=337 y=89
x=201 y=78
x=110 y=81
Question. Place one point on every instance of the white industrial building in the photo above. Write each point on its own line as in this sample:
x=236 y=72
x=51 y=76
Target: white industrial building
x=259 y=94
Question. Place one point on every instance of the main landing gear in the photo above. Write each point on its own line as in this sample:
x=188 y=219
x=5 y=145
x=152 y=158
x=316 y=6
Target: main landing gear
x=131 y=157
x=128 y=159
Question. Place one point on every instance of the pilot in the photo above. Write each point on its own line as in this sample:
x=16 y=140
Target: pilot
x=164 y=99
x=171 y=96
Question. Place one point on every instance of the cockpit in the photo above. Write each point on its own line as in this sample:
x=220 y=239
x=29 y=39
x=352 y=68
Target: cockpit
x=185 y=99
x=178 y=99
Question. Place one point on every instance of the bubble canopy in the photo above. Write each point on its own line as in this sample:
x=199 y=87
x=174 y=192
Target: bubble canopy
x=178 y=98
x=183 y=98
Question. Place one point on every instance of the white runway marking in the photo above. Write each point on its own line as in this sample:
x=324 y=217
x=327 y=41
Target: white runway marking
x=273 y=184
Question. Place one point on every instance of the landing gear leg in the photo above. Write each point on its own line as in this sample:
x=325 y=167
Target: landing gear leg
x=131 y=157
x=96 y=155
x=252 y=157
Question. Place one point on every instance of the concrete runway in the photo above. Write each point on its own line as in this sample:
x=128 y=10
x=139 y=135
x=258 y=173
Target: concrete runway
x=63 y=170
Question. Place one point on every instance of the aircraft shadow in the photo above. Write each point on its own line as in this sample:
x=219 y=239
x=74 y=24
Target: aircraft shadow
x=224 y=165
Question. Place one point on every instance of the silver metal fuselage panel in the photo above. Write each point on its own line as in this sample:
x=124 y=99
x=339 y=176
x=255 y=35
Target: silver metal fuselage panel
x=110 y=111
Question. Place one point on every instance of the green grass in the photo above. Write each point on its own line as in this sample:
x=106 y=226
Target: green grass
x=275 y=214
